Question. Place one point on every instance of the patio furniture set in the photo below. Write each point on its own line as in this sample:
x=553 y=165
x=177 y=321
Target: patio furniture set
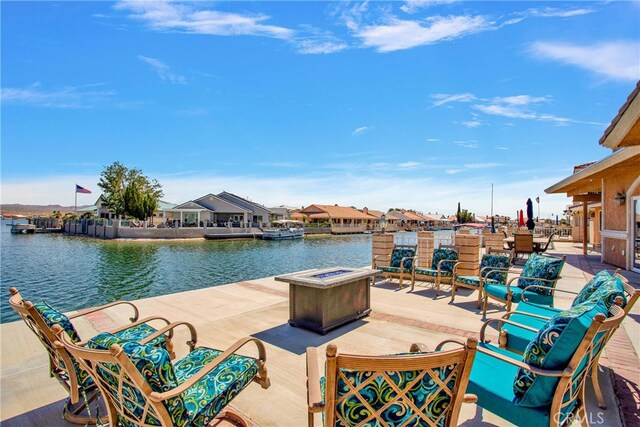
x=544 y=355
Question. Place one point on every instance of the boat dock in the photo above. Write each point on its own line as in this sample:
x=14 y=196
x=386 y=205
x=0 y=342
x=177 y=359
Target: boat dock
x=260 y=308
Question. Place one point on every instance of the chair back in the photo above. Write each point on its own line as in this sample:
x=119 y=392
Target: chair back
x=59 y=358
x=491 y=261
x=404 y=389
x=523 y=243
x=127 y=373
x=507 y=252
x=541 y=267
x=445 y=252
x=408 y=252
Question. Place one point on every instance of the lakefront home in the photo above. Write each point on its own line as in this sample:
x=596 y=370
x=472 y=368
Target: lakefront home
x=341 y=219
x=614 y=183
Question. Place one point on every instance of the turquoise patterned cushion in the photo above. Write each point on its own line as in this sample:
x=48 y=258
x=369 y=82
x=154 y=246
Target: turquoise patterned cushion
x=389 y=269
x=552 y=348
x=140 y=332
x=155 y=366
x=444 y=254
x=591 y=286
x=52 y=317
x=473 y=280
x=210 y=395
x=427 y=272
x=378 y=393
x=398 y=253
x=495 y=261
x=540 y=267
x=610 y=291
x=517 y=294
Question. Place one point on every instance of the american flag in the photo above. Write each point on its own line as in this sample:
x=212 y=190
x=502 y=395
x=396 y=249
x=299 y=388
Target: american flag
x=82 y=190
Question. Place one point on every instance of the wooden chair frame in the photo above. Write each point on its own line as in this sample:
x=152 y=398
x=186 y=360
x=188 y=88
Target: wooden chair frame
x=436 y=280
x=381 y=365
x=485 y=271
x=91 y=360
x=632 y=296
x=522 y=244
x=60 y=359
x=552 y=285
x=402 y=274
x=589 y=349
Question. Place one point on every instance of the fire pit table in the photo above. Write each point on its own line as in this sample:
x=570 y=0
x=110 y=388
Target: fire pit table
x=321 y=300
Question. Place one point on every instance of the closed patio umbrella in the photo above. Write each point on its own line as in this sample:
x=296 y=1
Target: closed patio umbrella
x=521 y=219
x=530 y=224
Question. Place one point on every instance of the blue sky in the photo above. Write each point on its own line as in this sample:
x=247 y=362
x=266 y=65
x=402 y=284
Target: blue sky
x=416 y=104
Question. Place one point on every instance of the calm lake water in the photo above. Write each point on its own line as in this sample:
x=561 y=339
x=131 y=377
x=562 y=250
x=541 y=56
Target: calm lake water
x=74 y=272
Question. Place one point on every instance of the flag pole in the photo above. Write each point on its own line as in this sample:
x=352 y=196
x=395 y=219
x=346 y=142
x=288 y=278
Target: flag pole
x=76 y=203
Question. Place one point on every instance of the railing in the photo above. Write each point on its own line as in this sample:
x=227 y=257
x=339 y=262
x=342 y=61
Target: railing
x=560 y=232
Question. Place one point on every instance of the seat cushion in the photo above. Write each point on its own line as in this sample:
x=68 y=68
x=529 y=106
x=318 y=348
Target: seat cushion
x=139 y=332
x=518 y=338
x=399 y=253
x=540 y=267
x=446 y=268
x=517 y=294
x=495 y=392
x=591 y=286
x=552 y=348
x=52 y=317
x=473 y=280
x=426 y=272
x=205 y=399
x=490 y=261
x=388 y=269
x=609 y=291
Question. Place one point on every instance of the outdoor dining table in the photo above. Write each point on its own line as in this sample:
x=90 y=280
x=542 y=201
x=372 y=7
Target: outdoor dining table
x=538 y=242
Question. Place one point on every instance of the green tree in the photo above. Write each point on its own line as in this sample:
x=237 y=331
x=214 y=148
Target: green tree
x=465 y=216
x=113 y=181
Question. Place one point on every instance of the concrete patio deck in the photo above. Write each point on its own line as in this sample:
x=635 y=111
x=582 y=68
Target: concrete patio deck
x=222 y=314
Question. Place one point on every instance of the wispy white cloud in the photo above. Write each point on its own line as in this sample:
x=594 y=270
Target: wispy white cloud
x=482 y=165
x=501 y=148
x=361 y=130
x=553 y=12
x=163 y=70
x=412 y=6
x=194 y=18
x=444 y=98
x=409 y=165
x=453 y=171
x=314 y=46
x=472 y=123
x=75 y=97
x=615 y=60
x=433 y=140
x=398 y=34
x=466 y=144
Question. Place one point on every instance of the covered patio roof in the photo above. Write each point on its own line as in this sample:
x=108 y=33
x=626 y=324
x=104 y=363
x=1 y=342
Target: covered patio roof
x=624 y=130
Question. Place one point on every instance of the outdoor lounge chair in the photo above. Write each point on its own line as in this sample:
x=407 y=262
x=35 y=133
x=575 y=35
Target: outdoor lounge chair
x=142 y=387
x=522 y=244
x=41 y=318
x=546 y=385
x=401 y=263
x=493 y=269
x=536 y=283
x=441 y=270
x=528 y=318
x=416 y=388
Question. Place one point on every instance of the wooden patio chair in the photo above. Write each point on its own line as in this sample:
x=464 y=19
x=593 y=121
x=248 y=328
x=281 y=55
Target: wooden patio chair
x=528 y=318
x=142 y=387
x=494 y=266
x=441 y=269
x=522 y=244
x=546 y=385
x=415 y=388
x=536 y=282
x=41 y=318
x=402 y=259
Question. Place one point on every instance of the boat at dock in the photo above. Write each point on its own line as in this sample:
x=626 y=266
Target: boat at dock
x=284 y=229
x=23 y=228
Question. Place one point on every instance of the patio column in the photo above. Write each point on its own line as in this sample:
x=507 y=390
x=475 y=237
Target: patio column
x=585 y=225
x=198 y=223
x=181 y=219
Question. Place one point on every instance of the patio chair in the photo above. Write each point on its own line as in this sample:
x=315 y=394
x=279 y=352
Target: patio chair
x=401 y=263
x=415 y=388
x=541 y=249
x=522 y=244
x=41 y=318
x=142 y=387
x=441 y=271
x=493 y=269
x=540 y=274
x=528 y=318
x=546 y=385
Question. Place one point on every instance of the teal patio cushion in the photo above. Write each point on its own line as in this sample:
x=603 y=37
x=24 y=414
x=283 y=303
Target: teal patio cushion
x=473 y=280
x=52 y=317
x=495 y=392
x=140 y=332
x=540 y=267
x=495 y=261
x=387 y=269
x=517 y=294
x=399 y=253
x=609 y=291
x=552 y=348
x=210 y=395
x=426 y=272
x=518 y=338
x=592 y=286
x=446 y=268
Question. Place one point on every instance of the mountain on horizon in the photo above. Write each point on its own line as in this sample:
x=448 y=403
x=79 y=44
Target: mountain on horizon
x=19 y=209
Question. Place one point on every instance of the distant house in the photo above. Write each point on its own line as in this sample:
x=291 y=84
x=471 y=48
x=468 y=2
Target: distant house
x=614 y=183
x=341 y=219
x=101 y=211
x=282 y=212
x=224 y=209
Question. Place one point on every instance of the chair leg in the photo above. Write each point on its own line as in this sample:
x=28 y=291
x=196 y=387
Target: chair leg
x=595 y=379
x=479 y=297
x=437 y=286
x=310 y=420
x=509 y=302
x=453 y=292
x=484 y=306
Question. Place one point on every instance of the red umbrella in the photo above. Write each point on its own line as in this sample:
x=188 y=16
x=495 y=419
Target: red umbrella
x=521 y=220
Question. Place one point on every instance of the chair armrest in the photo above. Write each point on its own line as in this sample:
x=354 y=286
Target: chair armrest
x=442 y=344
x=489 y=268
x=470 y=398
x=314 y=394
x=418 y=347
x=445 y=260
x=413 y=263
x=508 y=314
x=105 y=306
x=209 y=367
x=500 y=323
x=567 y=372
x=169 y=328
x=550 y=288
x=140 y=322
